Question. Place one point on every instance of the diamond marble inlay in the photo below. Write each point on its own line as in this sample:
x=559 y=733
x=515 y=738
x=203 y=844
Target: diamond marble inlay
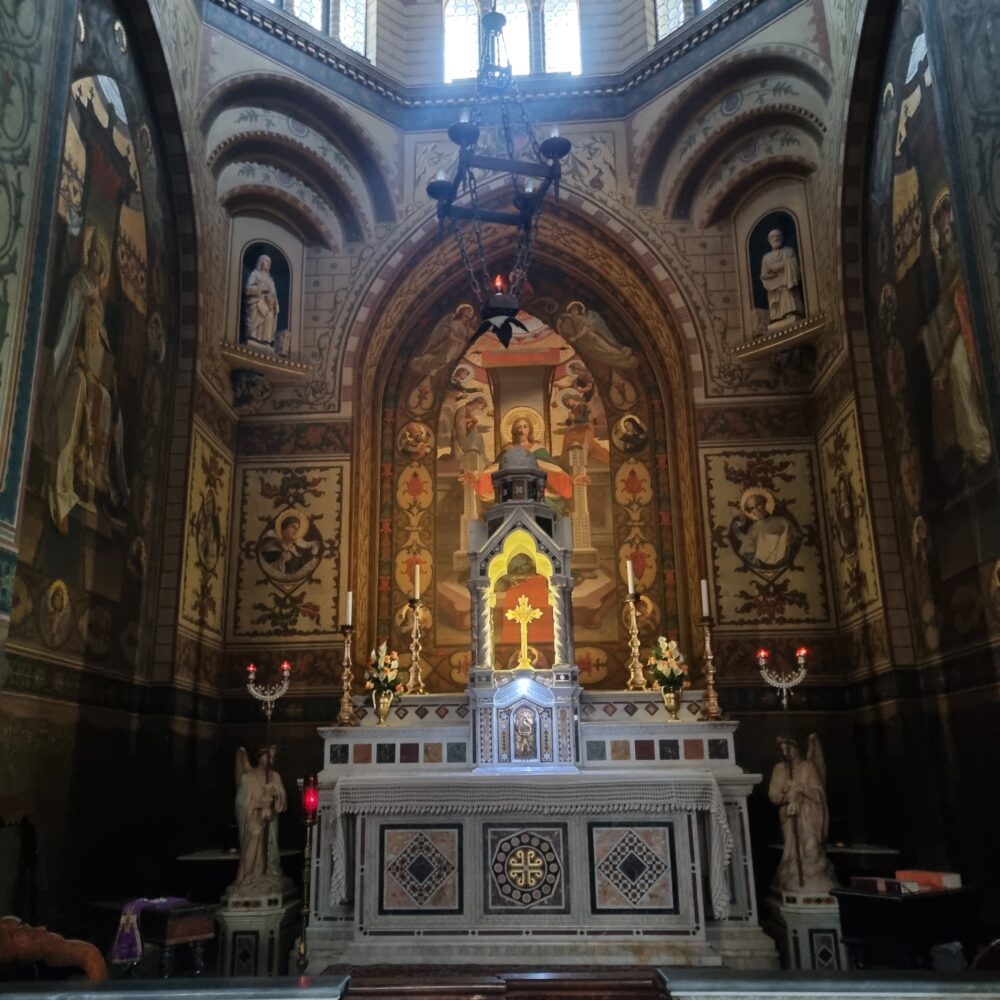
x=420 y=868
x=632 y=867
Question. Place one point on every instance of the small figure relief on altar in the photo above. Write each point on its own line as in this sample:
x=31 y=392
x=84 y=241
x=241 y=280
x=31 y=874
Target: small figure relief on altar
x=525 y=741
x=776 y=272
x=266 y=286
x=798 y=789
x=260 y=798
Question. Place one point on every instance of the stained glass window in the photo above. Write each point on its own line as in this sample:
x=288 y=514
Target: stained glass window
x=517 y=35
x=669 y=17
x=310 y=11
x=562 y=36
x=354 y=24
x=461 y=39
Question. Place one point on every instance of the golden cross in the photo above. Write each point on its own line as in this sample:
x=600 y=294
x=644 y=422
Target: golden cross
x=523 y=614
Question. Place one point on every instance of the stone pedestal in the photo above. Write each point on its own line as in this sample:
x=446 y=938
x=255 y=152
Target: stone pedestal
x=257 y=931
x=807 y=931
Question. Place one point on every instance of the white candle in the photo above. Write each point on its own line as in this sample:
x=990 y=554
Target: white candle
x=630 y=573
x=349 y=611
x=416 y=582
x=704 y=598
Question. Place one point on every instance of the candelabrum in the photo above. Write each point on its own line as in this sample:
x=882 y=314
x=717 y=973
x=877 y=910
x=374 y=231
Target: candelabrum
x=268 y=694
x=346 y=716
x=636 y=678
x=310 y=809
x=782 y=681
x=712 y=712
x=415 y=680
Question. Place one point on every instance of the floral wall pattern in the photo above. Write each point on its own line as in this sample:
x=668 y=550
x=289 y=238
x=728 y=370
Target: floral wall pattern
x=766 y=541
x=852 y=558
x=288 y=562
x=206 y=552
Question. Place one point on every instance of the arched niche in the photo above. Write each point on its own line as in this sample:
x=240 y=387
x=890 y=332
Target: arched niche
x=780 y=205
x=577 y=391
x=250 y=238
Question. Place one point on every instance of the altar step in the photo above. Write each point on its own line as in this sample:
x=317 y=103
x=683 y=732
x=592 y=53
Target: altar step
x=645 y=983
x=426 y=984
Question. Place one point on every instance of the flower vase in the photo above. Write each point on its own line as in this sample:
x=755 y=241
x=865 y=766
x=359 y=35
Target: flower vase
x=672 y=703
x=382 y=703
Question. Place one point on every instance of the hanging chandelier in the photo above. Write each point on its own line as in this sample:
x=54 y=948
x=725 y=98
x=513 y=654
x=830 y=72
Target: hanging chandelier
x=458 y=199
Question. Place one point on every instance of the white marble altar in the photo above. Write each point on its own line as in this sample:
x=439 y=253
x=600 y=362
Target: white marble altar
x=527 y=817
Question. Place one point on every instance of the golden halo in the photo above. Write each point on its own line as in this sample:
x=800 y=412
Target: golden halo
x=528 y=413
x=757 y=491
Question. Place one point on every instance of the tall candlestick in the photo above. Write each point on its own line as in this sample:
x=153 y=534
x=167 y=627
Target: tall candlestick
x=630 y=573
x=349 y=610
x=636 y=678
x=416 y=582
x=704 y=598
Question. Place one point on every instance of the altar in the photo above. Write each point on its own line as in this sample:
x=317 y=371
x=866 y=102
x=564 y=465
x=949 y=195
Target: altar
x=526 y=817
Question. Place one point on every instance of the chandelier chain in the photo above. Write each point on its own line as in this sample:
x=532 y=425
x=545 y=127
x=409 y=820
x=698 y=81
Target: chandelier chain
x=466 y=262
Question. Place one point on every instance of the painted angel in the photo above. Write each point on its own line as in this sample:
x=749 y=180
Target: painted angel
x=798 y=789
x=260 y=797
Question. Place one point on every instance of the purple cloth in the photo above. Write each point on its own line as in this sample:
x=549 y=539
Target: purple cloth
x=128 y=941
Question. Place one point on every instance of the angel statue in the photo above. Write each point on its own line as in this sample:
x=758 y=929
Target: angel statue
x=798 y=789
x=260 y=797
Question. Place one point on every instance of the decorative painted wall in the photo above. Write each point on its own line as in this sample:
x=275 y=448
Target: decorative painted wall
x=90 y=537
x=574 y=394
x=765 y=538
x=852 y=553
x=206 y=552
x=287 y=566
x=933 y=402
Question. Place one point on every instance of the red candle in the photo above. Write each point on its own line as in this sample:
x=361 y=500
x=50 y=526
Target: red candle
x=801 y=653
x=251 y=670
x=286 y=667
x=763 y=654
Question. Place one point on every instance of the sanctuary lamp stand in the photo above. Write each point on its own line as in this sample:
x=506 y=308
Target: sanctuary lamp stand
x=310 y=810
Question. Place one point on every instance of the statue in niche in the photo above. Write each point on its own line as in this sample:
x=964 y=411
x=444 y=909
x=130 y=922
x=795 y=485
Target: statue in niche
x=781 y=277
x=260 y=306
x=260 y=798
x=798 y=789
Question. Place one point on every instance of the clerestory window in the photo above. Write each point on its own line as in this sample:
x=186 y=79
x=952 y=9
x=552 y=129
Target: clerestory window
x=672 y=14
x=345 y=20
x=541 y=36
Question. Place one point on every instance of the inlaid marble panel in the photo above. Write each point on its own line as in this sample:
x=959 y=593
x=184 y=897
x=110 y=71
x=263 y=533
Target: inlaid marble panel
x=420 y=869
x=526 y=869
x=632 y=868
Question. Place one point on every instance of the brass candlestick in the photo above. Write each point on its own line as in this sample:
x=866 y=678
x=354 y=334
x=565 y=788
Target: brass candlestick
x=415 y=682
x=712 y=712
x=636 y=678
x=346 y=716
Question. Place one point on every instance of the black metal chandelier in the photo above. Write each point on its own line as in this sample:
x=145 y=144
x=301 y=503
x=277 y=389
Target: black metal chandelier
x=459 y=200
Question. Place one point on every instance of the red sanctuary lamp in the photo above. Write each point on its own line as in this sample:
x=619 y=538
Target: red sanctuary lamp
x=310 y=799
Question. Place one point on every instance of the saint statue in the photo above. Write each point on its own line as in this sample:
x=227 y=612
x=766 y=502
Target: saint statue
x=780 y=276
x=260 y=797
x=261 y=304
x=84 y=429
x=798 y=789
